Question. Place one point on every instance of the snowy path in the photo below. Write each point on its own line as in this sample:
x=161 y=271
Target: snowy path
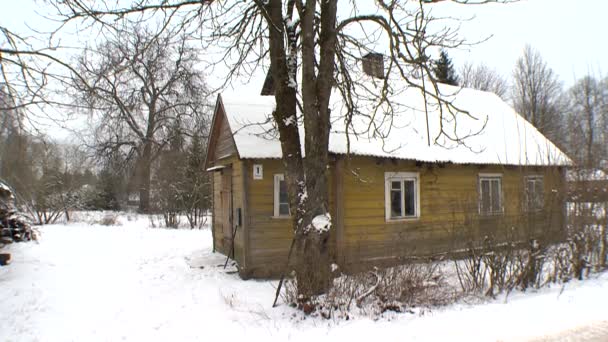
x=92 y=283
x=596 y=332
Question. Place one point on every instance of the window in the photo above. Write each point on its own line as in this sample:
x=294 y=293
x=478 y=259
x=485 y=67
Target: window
x=281 y=199
x=533 y=193
x=490 y=194
x=402 y=195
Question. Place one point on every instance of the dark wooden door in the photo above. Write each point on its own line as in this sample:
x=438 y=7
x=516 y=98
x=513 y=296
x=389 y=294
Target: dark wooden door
x=226 y=219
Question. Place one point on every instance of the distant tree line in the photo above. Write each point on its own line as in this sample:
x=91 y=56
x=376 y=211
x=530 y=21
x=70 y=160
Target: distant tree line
x=145 y=150
x=52 y=179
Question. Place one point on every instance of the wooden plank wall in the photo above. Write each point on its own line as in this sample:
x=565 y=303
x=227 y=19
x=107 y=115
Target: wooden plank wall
x=224 y=145
x=238 y=201
x=449 y=217
x=269 y=237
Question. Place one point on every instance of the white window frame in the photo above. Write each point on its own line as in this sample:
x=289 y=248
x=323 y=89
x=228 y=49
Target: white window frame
x=277 y=188
x=401 y=176
x=534 y=178
x=490 y=176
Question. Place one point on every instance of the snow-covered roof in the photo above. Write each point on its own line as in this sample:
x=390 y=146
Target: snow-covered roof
x=250 y=122
x=480 y=128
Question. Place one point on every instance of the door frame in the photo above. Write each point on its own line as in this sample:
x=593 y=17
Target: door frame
x=227 y=199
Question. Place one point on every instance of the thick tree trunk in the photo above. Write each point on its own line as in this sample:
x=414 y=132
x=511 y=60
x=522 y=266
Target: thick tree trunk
x=604 y=238
x=312 y=243
x=306 y=177
x=313 y=262
x=144 y=178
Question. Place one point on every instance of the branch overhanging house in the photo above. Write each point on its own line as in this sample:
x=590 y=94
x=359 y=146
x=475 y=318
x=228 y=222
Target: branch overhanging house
x=409 y=177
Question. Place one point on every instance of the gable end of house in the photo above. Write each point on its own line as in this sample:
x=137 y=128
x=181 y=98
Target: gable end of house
x=221 y=143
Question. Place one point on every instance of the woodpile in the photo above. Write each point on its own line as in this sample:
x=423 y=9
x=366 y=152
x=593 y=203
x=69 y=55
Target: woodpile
x=14 y=227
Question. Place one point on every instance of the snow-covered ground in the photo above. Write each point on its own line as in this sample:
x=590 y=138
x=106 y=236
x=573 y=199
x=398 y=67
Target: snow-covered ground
x=86 y=282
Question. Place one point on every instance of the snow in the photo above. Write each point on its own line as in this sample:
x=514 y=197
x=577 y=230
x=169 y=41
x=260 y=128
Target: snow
x=5 y=188
x=321 y=223
x=481 y=127
x=290 y=121
x=292 y=81
x=586 y=175
x=250 y=121
x=86 y=282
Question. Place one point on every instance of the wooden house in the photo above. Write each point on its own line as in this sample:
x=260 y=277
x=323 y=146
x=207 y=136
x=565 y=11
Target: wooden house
x=396 y=197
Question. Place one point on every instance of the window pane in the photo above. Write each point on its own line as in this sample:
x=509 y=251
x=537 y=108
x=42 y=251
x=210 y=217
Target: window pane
x=395 y=185
x=282 y=205
x=485 y=196
x=530 y=194
x=283 y=192
x=283 y=209
x=495 y=194
x=539 y=194
x=410 y=198
x=396 y=209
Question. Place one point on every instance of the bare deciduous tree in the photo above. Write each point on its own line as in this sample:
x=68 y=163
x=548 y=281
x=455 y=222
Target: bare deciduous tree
x=536 y=94
x=588 y=121
x=136 y=85
x=482 y=77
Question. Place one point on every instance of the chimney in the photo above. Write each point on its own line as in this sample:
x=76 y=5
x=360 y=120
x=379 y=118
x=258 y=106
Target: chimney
x=373 y=64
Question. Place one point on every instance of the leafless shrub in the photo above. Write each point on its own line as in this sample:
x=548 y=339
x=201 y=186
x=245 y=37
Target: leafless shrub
x=374 y=292
x=560 y=268
x=171 y=219
x=414 y=285
x=109 y=219
x=584 y=249
x=498 y=268
x=155 y=221
x=471 y=272
x=530 y=266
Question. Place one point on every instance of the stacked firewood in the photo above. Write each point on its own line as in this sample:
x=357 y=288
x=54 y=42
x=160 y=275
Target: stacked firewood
x=14 y=227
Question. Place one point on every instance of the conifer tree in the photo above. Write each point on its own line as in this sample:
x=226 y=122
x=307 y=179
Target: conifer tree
x=198 y=198
x=444 y=69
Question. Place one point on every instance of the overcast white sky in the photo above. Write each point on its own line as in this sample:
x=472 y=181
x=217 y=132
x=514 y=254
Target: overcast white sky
x=570 y=34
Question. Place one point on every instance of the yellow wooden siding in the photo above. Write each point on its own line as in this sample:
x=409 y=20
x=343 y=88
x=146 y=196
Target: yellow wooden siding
x=449 y=216
x=269 y=237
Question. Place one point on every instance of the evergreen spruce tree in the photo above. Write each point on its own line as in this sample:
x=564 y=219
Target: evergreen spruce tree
x=168 y=179
x=198 y=198
x=444 y=69
x=108 y=185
